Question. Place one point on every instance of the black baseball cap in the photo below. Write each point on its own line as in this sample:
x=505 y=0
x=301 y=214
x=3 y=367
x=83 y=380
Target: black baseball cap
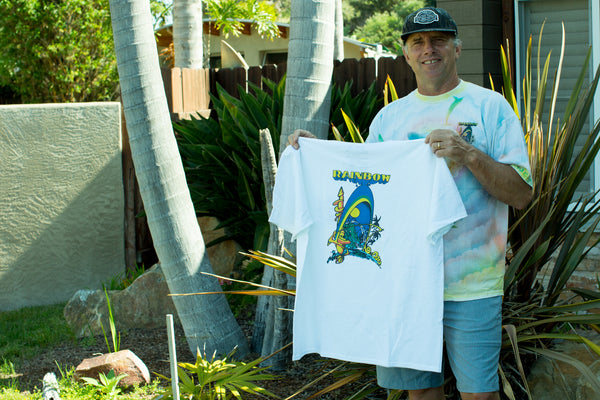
x=428 y=19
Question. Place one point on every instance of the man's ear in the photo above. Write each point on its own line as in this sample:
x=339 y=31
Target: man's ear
x=457 y=51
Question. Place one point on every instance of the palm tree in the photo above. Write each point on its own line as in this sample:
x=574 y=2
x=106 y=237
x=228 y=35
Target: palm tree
x=306 y=106
x=309 y=69
x=187 y=33
x=207 y=320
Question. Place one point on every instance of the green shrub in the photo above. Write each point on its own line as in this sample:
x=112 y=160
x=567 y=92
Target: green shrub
x=57 y=51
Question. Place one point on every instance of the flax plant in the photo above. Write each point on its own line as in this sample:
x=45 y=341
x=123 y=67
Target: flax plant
x=558 y=224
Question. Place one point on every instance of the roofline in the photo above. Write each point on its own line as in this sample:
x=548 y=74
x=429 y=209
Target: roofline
x=371 y=46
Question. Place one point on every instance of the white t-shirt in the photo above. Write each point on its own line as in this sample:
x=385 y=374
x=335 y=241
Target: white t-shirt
x=369 y=221
x=475 y=251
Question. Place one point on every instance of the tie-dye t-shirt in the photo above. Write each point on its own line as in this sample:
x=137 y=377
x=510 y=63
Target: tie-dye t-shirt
x=474 y=249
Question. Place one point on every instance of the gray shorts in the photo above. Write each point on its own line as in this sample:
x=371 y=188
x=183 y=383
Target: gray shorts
x=472 y=338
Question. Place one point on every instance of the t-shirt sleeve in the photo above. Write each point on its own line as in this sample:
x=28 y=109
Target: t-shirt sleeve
x=508 y=141
x=375 y=130
x=446 y=203
x=290 y=206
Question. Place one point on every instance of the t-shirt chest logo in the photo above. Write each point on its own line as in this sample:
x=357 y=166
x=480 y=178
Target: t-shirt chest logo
x=357 y=227
x=466 y=131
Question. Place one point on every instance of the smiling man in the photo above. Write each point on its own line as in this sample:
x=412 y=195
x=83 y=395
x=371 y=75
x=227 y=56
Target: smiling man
x=478 y=134
x=481 y=139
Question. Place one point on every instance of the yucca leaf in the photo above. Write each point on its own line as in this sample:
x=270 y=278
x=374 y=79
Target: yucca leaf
x=586 y=372
x=353 y=129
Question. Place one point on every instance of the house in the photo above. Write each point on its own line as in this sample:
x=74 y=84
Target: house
x=257 y=50
x=484 y=25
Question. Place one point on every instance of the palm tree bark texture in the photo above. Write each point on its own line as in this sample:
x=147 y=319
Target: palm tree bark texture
x=208 y=322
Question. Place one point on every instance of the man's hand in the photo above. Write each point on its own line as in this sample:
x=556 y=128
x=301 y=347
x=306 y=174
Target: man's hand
x=448 y=143
x=293 y=138
x=499 y=180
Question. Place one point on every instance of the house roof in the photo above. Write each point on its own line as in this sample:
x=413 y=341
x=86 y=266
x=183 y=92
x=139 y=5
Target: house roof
x=164 y=36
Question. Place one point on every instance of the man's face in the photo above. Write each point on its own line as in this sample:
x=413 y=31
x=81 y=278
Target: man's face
x=432 y=56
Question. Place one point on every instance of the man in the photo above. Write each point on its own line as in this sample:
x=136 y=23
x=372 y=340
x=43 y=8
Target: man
x=481 y=138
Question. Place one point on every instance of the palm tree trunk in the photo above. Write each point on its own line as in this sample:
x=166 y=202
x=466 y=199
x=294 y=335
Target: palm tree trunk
x=309 y=69
x=187 y=33
x=338 y=44
x=207 y=320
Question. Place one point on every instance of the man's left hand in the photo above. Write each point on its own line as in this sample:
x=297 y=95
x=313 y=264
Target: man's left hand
x=449 y=144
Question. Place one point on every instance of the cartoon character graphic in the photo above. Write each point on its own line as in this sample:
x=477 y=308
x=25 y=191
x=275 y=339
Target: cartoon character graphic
x=357 y=227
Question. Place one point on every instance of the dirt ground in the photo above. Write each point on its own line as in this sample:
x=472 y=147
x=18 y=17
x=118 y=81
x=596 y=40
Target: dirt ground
x=151 y=346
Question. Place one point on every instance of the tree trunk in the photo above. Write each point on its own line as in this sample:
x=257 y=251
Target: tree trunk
x=309 y=69
x=207 y=320
x=306 y=106
x=187 y=33
x=338 y=44
x=271 y=327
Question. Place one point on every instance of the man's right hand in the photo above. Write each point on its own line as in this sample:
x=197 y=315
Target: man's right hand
x=293 y=138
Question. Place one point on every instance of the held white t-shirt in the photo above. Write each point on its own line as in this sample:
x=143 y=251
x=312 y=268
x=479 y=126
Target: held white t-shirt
x=369 y=221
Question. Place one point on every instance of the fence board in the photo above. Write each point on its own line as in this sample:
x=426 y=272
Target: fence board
x=366 y=73
x=188 y=90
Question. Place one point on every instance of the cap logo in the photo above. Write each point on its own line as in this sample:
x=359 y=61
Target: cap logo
x=426 y=17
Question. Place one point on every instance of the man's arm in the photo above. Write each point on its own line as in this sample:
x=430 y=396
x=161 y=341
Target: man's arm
x=499 y=180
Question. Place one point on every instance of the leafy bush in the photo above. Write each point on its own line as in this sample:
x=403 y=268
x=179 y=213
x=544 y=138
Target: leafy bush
x=57 y=51
x=222 y=160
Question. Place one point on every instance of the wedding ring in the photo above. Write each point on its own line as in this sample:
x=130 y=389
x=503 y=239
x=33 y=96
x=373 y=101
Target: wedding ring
x=439 y=145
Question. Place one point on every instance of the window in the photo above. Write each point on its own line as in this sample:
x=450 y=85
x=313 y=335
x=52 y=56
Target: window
x=575 y=16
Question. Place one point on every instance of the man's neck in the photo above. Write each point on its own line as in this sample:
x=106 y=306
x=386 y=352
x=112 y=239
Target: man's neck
x=433 y=89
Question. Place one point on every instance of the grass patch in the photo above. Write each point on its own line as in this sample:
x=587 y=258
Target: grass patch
x=27 y=331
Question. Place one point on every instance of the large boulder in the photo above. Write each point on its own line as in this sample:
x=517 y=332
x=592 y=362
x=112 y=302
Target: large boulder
x=551 y=380
x=224 y=256
x=123 y=362
x=143 y=304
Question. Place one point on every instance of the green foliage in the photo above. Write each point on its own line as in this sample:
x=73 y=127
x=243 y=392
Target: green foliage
x=219 y=379
x=556 y=222
x=8 y=375
x=122 y=280
x=222 y=160
x=115 y=336
x=361 y=109
x=107 y=384
x=228 y=13
x=57 y=51
x=379 y=21
x=382 y=27
x=161 y=10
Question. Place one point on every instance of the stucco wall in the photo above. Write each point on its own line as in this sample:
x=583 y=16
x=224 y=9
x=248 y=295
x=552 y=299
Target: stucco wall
x=61 y=201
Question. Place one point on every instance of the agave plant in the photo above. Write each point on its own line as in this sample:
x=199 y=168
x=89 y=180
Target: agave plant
x=557 y=223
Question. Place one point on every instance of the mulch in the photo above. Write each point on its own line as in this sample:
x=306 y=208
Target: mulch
x=151 y=346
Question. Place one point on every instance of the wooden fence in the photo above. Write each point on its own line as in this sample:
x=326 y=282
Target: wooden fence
x=188 y=90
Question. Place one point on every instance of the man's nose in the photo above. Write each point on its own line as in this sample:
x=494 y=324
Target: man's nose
x=427 y=45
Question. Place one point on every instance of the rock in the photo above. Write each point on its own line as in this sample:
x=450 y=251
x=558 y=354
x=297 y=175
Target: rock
x=143 y=304
x=121 y=362
x=551 y=380
x=224 y=256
